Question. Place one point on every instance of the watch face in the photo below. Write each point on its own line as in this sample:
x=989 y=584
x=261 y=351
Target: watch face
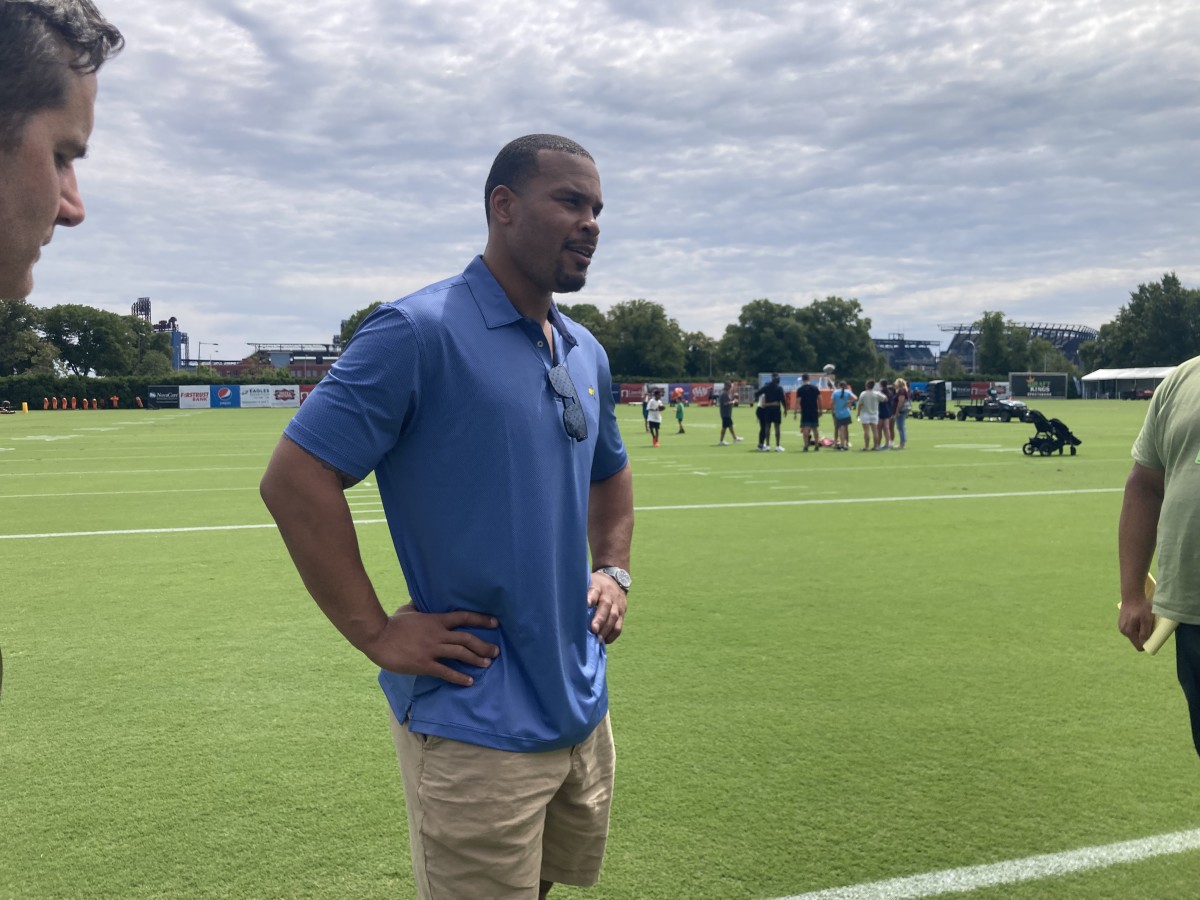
x=620 y=576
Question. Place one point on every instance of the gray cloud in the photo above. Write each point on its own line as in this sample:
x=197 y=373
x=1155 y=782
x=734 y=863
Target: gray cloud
x=262 y=172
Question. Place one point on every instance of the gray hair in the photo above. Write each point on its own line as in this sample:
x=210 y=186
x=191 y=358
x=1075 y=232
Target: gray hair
x=33 y=75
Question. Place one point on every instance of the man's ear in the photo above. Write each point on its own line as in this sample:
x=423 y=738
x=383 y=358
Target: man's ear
x=502 y=201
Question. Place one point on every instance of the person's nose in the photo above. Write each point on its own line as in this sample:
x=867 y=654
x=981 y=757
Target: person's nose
x=70 y=202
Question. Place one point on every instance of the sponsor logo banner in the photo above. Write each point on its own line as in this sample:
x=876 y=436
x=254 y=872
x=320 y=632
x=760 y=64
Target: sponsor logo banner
x=256 y=396
x=194 y=397
x=163 y=396
x=703 y=393
x=305 y=390
x=684 y=389
x=978 y=390
x=285 y=395
x=226 y=396
x=1039 y=385
x=633 y=393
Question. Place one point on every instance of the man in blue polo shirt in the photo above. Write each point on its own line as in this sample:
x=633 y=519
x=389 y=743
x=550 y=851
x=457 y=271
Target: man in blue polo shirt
x=495 y=672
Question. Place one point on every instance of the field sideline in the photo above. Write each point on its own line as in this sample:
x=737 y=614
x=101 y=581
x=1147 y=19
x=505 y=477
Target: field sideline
x=841 y=672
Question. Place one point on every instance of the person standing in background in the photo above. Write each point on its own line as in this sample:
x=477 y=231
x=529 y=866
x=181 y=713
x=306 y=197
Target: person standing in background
x=903 y=408
x=772 y=399
x=654 y=411
x=844 y=401
x=868 y=415
x=808 y=409
x=725 y=403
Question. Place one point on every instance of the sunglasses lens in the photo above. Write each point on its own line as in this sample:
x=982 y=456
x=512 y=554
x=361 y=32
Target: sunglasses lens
x=560 y=380
x=573 y=419
x=574 y=422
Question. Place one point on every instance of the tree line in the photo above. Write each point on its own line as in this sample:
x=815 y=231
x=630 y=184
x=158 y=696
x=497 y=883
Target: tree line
x=73 y=339
x=1160 y=326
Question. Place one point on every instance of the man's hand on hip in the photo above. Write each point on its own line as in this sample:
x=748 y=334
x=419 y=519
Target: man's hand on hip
x=414 y=643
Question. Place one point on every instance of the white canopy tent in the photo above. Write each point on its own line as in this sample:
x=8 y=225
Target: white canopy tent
x=1112 y=383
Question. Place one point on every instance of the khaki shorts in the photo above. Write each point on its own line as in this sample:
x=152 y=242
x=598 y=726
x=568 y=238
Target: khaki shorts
x=492 y=824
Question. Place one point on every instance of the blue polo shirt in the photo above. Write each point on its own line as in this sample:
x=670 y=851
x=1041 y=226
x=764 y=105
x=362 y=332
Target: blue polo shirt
x=444 y=395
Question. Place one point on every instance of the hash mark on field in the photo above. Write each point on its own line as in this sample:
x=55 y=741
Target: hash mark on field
x=1032 y=868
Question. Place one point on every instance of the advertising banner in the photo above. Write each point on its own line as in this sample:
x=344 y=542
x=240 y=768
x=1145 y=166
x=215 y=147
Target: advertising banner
x=978 y=390
x=633 y=393
x=305 y=390
x=684 y=389
x=256 y=396
x=703 y=393
x=194 y=397
x=225 y=396
x=1039 y=385
x=285 y=395
x=163 y=396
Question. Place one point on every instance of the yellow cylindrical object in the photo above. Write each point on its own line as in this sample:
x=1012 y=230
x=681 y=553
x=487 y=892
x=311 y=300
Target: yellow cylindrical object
x=24 y=406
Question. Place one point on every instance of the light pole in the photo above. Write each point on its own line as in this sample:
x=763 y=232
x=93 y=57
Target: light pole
x=200 y=353
x=972 y=343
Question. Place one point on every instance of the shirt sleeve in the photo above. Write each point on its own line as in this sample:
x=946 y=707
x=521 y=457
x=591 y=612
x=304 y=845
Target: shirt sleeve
x=1145 y=448
x=358 y=412
x=610 y=456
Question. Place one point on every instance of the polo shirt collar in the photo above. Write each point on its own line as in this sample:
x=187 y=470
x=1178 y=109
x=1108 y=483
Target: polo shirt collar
x=495 y=307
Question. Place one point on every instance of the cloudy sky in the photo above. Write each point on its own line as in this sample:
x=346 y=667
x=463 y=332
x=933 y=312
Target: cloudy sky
x=261 y=169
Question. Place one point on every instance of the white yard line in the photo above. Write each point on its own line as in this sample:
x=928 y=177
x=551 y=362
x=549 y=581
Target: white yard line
x=690 y=506
x=1032 y=868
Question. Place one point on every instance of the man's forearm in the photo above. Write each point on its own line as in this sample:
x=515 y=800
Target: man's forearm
x=610 y=519
x=306 y=500
x=1138 y=529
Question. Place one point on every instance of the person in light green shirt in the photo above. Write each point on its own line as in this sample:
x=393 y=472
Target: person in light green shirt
x=1161 y=511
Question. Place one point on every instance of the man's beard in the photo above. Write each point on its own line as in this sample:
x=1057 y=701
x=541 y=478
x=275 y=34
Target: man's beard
x=568 y=282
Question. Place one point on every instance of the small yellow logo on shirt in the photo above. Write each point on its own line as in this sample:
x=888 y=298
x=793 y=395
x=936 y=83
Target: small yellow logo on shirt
x=591 y=391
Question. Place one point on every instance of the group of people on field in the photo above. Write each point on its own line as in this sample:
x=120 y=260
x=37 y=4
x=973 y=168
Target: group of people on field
x=883 y=409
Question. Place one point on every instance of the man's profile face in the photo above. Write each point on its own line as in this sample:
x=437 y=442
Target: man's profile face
x=37 y=183
x=555 y=231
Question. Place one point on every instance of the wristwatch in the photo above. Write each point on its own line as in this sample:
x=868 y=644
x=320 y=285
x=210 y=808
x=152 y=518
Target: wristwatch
x=620 y=576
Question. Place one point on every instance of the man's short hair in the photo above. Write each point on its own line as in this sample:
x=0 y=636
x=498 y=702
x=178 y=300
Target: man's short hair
x=33 y=76
x=517 y=163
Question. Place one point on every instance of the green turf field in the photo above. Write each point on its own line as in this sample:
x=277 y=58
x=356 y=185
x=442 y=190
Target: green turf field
x=837 y=668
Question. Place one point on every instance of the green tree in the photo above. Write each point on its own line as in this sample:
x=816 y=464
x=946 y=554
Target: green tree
x=22 y=349
x=1002 y=347
x=950 y=367
x=350 y=325
x=91 y=340
x=642 y=340
x=1043 y=356
x=1160 y=326
x=588 y=316
x=768 y=337
x=701 y=356
x=840 y=334
x=152 y=350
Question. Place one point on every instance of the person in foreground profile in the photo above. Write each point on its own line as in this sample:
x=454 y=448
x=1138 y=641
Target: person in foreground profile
x=1161 y=508
x=495 y=672
x=50 y=52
